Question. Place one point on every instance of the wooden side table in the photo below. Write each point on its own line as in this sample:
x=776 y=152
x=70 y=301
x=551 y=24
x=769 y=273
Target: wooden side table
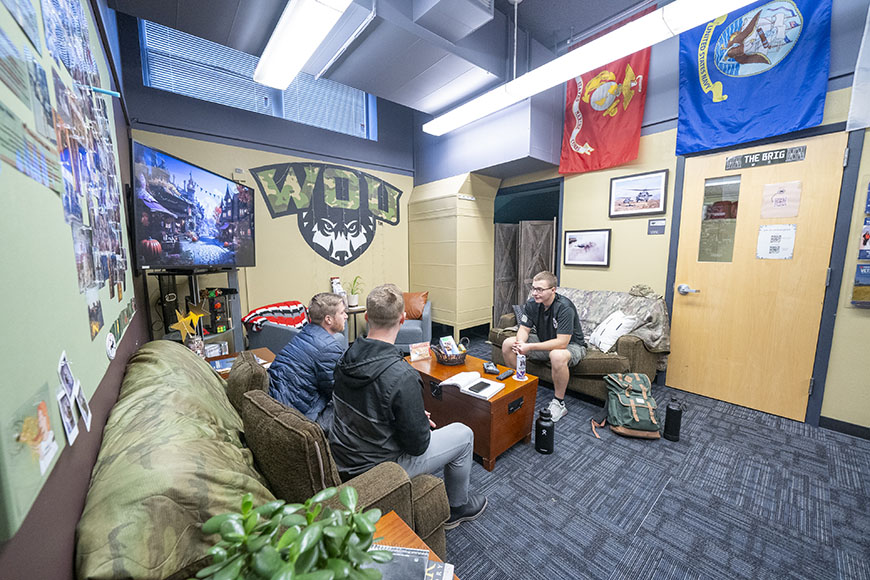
x=353 y=311
x=396 y=532
x=264 y=353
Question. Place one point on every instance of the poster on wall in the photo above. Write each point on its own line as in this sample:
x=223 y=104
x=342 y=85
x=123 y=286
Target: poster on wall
x=24 y=14
x=40 y=101
x=864 y=243
x=24 y=150
x=67 y=39
x=861 y=286
x=33 y=443
x=13 y=71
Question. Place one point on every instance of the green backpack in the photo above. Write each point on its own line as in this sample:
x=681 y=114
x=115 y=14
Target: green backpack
x=631 y=408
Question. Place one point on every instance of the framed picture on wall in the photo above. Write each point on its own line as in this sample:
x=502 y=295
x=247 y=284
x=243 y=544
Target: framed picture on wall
x=587 y=248
x=641 y=194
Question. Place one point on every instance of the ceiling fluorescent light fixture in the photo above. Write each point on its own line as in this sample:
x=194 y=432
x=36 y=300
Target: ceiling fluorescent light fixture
x=303 y=25
x=666 y=22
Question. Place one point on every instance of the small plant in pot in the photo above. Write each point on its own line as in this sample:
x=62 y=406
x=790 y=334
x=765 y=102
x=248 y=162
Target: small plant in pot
x=279 y=541
x=354 y=289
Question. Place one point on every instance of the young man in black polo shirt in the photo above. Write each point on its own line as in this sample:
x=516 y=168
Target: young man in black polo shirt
x=557 y=337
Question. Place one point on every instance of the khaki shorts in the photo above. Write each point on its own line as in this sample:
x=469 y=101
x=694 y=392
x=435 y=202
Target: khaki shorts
x=578 y=352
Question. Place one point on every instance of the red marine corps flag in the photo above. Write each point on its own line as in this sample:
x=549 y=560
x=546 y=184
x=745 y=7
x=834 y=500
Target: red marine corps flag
x=603 y=114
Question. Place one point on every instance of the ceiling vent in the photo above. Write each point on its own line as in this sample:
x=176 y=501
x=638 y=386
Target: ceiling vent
x=452 y=19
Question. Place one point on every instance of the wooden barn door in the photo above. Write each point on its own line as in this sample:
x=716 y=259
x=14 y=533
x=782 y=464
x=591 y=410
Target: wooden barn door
x=505 y=286
x=536 y=251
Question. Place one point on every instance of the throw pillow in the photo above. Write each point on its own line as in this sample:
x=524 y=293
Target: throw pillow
x=290 y=451
x=414 y=304
x=518 y=312
x=611 y=328
x=245 y=375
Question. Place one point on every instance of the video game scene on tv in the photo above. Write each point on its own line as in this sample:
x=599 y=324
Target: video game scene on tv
x=187 y=217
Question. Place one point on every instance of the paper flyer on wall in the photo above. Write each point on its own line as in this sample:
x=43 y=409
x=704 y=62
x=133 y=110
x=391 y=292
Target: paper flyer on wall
x=864 y=244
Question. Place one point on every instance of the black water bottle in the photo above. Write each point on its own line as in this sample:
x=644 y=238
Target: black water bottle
x=544 y=432
x=673 y=418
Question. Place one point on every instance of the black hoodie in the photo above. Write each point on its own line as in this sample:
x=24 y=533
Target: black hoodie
x=379 y=412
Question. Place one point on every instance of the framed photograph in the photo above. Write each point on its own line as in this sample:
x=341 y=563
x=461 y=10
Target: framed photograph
x=641 y=194
x=587 y=248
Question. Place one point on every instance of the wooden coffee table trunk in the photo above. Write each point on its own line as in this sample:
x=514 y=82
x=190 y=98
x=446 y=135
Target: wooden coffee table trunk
x=498 y=423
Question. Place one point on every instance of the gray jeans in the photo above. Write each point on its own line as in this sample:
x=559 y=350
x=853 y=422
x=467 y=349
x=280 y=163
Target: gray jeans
x=450 y=447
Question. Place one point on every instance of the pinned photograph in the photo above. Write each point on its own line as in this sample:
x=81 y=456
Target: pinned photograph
x=95 y=312
x=67 y=417
x=587 y=248
x=82 y=402
x=67 y=380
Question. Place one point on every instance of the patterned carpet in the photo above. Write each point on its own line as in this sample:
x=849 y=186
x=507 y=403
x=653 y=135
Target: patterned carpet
x=743 y=494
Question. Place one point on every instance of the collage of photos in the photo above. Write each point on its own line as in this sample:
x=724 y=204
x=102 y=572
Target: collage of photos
x=67 y=147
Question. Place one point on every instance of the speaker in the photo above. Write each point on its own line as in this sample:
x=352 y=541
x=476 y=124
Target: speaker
x=168 y=300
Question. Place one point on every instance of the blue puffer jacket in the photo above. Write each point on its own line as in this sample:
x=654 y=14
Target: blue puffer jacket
x=301 y=375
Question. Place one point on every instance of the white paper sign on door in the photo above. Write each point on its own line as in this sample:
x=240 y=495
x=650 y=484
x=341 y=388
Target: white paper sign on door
x=776 y=242
x=781 y=200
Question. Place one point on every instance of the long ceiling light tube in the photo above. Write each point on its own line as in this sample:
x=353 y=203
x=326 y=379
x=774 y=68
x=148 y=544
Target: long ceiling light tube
x=666 y=22
x=303 y=26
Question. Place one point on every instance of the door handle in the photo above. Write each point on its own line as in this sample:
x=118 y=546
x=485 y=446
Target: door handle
x=686 y=289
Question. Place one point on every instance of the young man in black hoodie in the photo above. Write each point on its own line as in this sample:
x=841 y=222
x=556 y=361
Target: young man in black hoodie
x=379 y=414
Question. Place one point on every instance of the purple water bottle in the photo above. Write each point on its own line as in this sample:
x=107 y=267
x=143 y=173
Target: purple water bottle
x=521 y=367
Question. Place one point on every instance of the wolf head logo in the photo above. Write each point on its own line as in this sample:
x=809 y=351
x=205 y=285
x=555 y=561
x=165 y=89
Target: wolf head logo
x=337 y=208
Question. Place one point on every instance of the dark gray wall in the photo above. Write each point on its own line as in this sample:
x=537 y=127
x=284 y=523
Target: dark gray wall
x=165 y=112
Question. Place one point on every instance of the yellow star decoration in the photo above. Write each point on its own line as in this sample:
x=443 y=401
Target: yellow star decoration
x=183 y=326
x=199 y=309
x=195 y=312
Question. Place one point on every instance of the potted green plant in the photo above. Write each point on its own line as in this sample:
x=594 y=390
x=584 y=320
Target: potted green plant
x=279 y=541
x=354 y=289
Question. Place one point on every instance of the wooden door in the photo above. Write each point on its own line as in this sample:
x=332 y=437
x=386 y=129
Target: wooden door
x=748 y=336
x=536 y=251
x=505 y=287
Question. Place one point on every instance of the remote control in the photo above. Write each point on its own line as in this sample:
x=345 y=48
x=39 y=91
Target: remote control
x=490 y=368
x=505 y=374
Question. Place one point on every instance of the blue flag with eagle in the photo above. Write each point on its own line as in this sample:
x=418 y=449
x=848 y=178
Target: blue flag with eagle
x=755 y=73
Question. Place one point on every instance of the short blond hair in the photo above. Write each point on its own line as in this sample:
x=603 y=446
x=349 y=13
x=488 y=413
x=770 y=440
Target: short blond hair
x=548 y=277
x=323 y=304
x=384 y=306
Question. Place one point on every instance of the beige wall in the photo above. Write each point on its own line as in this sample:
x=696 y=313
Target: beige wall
x=638 y=258
x=287 y=268
x=847 y=382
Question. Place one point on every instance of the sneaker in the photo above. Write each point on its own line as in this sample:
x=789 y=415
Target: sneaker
x=557 y=410
x=465 y=513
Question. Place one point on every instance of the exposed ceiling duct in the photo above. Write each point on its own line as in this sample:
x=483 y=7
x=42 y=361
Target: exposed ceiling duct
x=452 y=19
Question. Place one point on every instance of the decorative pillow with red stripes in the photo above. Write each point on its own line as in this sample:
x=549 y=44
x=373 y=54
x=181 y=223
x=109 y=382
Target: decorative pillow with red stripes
x=290 y=313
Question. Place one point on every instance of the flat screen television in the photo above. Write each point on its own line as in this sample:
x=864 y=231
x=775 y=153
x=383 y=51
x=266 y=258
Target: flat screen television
x=188 y=218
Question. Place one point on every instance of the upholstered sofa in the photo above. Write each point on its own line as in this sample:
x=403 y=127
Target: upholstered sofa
x=181 y=445
x=643 y=350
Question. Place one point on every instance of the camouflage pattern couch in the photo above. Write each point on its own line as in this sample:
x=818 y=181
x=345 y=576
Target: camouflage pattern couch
x=643 y=350
x=181 y=445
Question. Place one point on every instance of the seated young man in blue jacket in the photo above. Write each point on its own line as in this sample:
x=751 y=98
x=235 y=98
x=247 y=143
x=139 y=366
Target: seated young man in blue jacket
x=301 y=375
x=379 y=414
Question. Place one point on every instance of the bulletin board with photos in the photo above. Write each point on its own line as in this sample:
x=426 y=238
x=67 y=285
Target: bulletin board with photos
x=68 y=283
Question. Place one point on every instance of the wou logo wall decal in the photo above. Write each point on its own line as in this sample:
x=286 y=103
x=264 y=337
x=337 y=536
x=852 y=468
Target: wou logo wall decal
x=336 y=207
